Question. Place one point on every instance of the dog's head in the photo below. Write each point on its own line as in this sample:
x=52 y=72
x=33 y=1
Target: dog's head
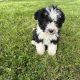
x=50 y=19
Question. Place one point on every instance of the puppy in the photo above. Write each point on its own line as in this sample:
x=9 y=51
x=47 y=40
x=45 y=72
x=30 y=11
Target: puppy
x=46 y=34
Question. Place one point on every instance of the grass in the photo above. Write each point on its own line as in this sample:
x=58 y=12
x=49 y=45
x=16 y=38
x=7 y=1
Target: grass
x=18 y=58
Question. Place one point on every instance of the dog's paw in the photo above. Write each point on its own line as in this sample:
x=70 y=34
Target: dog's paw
x=40 y=52
x=40 y=48
x=51 y=53
x=52 y=49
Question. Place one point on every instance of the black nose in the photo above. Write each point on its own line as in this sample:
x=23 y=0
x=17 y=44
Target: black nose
x=50 y=31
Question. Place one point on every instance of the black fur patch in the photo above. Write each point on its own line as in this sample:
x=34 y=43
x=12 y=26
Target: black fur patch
x=35 y=37
x=54 y=41
x=60 y=20
x=46 y=47
x=43 y=18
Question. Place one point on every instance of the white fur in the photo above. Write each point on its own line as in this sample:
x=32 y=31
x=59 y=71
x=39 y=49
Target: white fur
x=46 y=36
x=52 y=26
x=40 y=48
x=53 y=13
x=52 y=49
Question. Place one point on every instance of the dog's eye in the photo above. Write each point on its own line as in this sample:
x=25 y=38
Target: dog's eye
x=49 y=19
x=54 y=21
x=46 y=14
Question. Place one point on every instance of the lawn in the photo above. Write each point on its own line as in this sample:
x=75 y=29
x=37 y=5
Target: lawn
x=18 y=58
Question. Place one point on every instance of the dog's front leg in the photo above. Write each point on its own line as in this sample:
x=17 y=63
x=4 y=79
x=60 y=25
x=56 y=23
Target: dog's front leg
x=52 y=49
x=40 y=48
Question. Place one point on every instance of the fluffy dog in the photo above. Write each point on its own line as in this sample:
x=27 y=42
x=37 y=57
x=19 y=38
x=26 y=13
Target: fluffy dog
x=46 y=34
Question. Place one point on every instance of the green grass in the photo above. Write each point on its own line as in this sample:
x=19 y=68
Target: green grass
x=18 y=58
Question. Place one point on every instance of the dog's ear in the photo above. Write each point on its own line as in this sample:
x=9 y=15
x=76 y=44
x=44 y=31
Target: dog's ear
x=40 y=13
x=62 y=17
x=37 y=14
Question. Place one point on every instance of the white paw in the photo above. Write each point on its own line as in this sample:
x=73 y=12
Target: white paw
x=40 y=48
x=51 y=53
x=52 y=49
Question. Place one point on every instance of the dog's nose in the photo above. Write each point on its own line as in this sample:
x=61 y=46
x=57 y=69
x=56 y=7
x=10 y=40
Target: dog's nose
x=51 y=31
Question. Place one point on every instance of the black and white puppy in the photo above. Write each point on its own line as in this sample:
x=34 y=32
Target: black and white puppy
x=47 y=33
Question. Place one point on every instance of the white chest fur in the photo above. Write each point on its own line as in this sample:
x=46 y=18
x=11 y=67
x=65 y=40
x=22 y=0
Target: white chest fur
x=47 y=37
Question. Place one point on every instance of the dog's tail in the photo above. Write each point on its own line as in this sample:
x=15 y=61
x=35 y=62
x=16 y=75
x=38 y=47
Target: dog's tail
x=33 y=42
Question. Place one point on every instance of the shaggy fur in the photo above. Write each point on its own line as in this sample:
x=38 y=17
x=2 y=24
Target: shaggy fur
x=46 y=34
